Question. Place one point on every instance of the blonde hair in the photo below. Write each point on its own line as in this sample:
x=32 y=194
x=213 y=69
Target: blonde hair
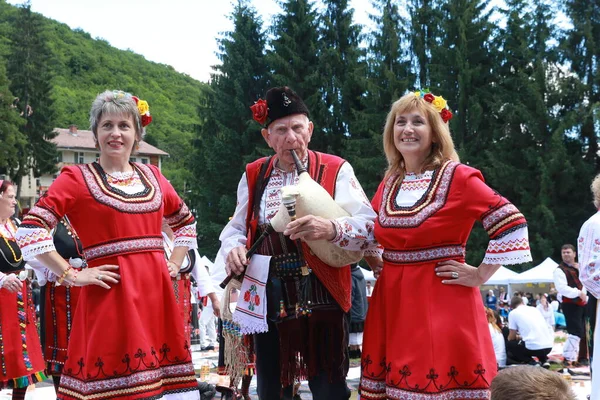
x=526 y=382
x=491 y=319
x=442 y=148
x=595 y=186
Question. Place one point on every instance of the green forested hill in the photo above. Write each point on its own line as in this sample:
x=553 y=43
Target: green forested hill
x=82 y=67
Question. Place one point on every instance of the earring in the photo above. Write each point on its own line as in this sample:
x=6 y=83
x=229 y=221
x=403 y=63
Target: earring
x=96 y=145
x=136 y=146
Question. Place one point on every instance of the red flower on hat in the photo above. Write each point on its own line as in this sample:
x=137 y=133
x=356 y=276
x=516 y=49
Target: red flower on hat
x=446 y=115
x=260 y=111
x=428 y=97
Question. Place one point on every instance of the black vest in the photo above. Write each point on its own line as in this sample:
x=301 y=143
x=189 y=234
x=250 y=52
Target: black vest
x=11 y=259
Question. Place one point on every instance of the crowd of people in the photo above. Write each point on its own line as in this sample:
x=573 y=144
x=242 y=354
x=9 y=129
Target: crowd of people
x=114 y=248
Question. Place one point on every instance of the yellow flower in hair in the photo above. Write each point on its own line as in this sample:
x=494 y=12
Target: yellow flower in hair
x=439 y=103
x=418 y=93
x=143 y=107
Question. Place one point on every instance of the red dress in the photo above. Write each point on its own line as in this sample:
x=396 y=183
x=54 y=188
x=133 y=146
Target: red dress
x=21 y=361
x=127 y=341
x=424 y=339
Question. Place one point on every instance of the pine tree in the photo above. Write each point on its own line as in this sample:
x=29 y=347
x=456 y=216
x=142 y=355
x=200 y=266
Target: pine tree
x=30 y=79
x=11 y=138
x=342 y=61
x=461 y=70
x=389 y=76
x=294 y=61
x=582 y=51
x=425 y=19
x=227 y=130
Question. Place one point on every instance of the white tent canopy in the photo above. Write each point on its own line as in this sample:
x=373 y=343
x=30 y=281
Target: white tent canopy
x=501 y=277
x=543 y=273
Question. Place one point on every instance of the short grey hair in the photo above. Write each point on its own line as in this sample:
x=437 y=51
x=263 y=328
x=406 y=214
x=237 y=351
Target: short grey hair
x=595 y=186
x=113 y=102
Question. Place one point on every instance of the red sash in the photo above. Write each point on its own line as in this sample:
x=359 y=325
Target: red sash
x=324 y=169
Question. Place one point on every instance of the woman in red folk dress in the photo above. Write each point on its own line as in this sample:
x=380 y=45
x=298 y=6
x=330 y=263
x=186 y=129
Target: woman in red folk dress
x=21 y=361
x=127 y=338
x=426 y=335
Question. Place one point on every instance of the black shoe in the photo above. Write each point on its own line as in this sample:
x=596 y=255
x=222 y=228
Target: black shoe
x=546 y=365
x=209 y=348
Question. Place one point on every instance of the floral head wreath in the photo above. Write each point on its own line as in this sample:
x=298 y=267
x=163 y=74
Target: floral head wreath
x=142 y=106
x=438 y=102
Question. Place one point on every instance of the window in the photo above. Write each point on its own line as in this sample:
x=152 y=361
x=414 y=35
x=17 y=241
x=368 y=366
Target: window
x=132 y=159
x=144 y=161
x=59 y=157
x=78 y=159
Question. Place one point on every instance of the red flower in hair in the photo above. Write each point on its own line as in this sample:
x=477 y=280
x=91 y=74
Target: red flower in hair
x=428 y=97
x=260 y=111
x=446 y=115
x=146 y=119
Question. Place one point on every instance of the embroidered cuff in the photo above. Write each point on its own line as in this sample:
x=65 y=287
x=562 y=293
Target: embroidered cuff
x=186 y=236
x=509 y=249
x=34 y=241
x=374 y=252
x=190 y=243
x=338 y=231
x=508 y=258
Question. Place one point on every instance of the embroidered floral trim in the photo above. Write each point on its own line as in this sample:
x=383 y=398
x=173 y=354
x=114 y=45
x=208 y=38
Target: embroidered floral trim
x=148 y=201
x=252 y=298
x=125 y=246
x=437 y=386
x=394 y=216
x=136 y=382
x=423 y=255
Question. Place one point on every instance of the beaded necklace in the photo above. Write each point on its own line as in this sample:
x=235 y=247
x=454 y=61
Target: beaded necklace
x=122 y=178
x=16 y=260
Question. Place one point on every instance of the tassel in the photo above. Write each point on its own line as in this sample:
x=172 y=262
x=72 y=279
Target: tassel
x=282 y=312
x=303 y=307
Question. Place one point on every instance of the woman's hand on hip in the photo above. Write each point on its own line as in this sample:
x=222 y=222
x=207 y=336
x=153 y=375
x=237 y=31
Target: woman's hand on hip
x=454 y=273
x=100 y=276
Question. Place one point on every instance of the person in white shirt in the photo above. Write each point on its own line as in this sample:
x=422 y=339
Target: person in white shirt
x=497 y=337
x=574 y=299
x=528 y=333
x=589 y=253
x=547 y=312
